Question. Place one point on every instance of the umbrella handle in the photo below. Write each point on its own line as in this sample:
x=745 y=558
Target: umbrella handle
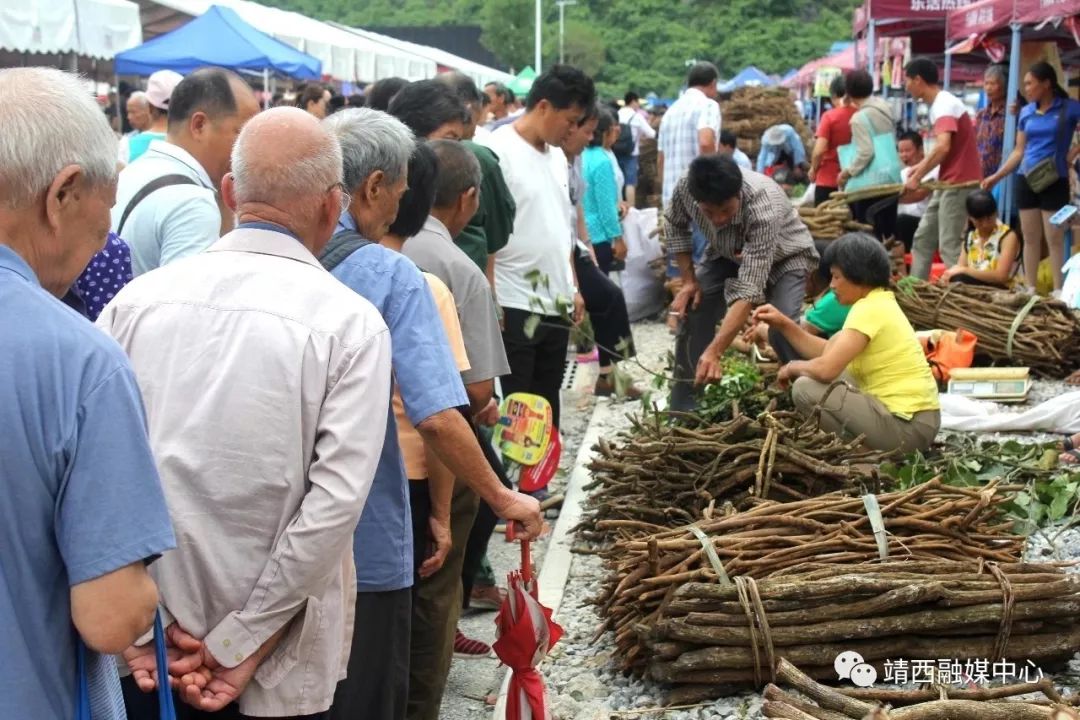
x=526 y=554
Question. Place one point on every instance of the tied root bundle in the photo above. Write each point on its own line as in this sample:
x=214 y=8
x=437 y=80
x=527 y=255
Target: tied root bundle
x=828 y=222
x=713 y=635
x=665 y=475
x=665 y=589
x=813 y=701
x=750 y=111
x=1013 y=328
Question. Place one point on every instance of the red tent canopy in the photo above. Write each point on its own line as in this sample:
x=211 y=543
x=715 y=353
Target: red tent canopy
x=900 y=17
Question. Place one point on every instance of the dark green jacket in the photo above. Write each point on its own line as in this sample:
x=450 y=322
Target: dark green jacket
x=490 y=228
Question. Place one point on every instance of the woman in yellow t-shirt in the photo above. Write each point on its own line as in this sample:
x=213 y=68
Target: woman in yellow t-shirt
x=886 y=391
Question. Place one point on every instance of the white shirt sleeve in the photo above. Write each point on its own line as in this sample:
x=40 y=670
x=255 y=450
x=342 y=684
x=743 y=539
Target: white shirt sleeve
x=709 y=118
x=643 y=126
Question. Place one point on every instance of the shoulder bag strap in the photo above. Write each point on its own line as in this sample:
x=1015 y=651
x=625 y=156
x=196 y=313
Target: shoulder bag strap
x=149 y=188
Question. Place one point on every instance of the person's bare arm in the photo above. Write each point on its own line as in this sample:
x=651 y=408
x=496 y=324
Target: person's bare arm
x=112 y=611
x=820 y=146
x=660 y=167
x=480 y=394
x=844 y=347
x=1010 y=248
x=942 y=145
x=1011 y=163
x=706 y=138
x=456 y=445
x=807 y=344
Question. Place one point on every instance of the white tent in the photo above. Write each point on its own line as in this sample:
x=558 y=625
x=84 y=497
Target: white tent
x=91 y=28
x=481 y=74
x=345 y=56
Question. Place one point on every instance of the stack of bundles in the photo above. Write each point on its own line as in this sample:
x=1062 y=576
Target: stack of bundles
x=1013 y=328
x=818 y=702
x=750 y=111
x=715 y=635
x=649 y=185
x=660 y=583
x=829 y=220
x=661 y=476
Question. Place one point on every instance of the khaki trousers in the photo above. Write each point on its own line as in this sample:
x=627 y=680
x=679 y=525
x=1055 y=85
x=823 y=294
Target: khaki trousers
x=436 y=609
x=942 y=229
x=850 y=413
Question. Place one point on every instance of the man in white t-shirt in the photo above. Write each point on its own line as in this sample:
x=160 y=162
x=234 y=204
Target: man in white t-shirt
x=534 y=274
x=631 y=117
x=913 y=203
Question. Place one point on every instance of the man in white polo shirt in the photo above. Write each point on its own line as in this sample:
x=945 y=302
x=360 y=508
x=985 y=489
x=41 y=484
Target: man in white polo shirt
x=166 y=202
x=534 y=273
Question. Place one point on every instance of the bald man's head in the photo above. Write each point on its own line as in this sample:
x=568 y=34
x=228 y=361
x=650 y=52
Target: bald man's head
x=286 y=169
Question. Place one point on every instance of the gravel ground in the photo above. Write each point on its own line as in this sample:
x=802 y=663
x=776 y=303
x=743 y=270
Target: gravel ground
x=583 y=683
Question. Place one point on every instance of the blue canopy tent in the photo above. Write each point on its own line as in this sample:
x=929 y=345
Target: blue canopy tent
x=749 y=76
x=218 y=37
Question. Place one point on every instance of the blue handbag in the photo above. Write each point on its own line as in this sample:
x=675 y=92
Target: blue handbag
x=884 y=167
x=106 y=690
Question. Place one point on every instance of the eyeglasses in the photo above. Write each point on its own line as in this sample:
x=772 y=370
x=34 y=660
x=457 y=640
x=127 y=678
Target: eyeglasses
x=346 y=196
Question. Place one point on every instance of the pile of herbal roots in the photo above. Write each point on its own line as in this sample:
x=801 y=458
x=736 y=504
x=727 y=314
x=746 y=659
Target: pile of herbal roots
x=809 y=700
x=660 y=475
x=708 y=604
x=750 y=111
x=1013 y=328
x=830 y=221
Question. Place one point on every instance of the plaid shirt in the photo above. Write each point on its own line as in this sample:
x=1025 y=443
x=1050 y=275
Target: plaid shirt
x=990 y=137
x=678 y=139
x=766 y=237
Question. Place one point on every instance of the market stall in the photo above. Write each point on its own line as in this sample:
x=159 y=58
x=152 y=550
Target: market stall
x=219 y=37
x=345 y=56
x=48 y=32
x=923 y=22
x=992 y=26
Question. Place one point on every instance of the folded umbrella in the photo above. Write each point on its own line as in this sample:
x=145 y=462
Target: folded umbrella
x=526 y=633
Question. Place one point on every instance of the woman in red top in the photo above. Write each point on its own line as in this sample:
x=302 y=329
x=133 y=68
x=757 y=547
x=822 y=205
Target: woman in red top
x=833 y=131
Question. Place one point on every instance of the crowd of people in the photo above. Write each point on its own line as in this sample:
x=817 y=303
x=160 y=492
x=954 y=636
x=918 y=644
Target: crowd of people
x=292 y=469
x=295 y=470
x=966 y=152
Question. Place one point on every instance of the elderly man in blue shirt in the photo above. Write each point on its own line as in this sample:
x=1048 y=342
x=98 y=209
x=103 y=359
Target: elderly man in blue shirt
x=376 y=149
x=83 y=508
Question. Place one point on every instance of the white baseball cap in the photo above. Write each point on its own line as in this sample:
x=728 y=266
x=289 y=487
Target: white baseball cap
x=160 y=86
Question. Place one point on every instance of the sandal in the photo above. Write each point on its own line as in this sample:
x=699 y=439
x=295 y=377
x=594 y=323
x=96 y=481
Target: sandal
x=1068 y=444
x=1070 y=458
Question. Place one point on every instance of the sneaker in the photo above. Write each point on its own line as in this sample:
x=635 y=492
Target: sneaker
x=468 y=649
x=486 y=597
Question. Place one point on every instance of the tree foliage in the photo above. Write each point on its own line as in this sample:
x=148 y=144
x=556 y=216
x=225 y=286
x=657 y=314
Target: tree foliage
x=645 y=45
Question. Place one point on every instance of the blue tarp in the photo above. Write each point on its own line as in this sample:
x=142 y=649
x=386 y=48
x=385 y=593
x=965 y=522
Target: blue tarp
x=218 y=37
x=747 y=76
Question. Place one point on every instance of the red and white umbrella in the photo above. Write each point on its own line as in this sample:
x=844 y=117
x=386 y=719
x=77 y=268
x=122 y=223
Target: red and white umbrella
x=526 y=633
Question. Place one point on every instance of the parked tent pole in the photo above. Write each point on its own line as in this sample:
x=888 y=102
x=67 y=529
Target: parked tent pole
x=538 y=37
x=871 y=47
x=1009 y=140
x=116 y=84
x=266 y=88
x=948 y=57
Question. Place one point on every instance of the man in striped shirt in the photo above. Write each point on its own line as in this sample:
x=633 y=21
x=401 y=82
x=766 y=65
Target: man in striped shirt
x=758 y=251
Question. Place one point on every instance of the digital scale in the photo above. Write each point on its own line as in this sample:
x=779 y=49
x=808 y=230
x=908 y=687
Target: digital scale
x=999 y=384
